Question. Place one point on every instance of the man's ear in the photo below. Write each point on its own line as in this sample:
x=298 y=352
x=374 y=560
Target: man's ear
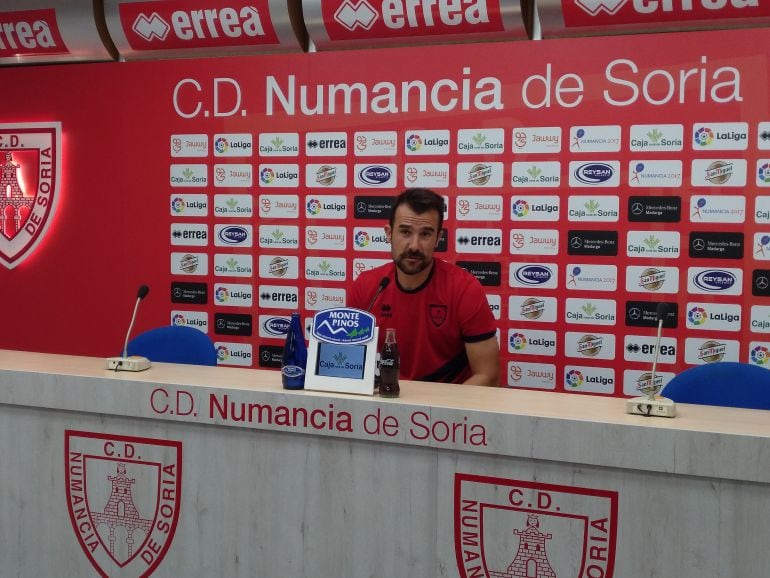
x=388 y=231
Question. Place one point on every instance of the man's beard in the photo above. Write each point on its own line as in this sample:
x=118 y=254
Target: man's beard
x=412 y=268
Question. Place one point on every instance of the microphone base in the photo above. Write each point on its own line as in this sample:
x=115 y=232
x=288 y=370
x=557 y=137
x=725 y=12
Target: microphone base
x=658 y=407
x=133 y=363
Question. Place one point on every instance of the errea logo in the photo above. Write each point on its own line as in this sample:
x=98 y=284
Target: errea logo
x=668 y=10
x=400 y=17
x=174 y=24
x=30 y=32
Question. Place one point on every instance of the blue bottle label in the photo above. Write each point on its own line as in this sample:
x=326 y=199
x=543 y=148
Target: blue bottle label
x=292 y=371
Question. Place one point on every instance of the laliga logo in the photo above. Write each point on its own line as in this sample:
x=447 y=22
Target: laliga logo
x=593 y=7
x=30 y=167
x=123 y=496
x=352 y=15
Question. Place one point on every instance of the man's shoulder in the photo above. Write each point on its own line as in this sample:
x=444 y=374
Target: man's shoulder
x=455 y=272
x=373 y=276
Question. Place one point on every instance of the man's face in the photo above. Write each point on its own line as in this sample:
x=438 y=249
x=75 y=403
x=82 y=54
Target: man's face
x=413 y=239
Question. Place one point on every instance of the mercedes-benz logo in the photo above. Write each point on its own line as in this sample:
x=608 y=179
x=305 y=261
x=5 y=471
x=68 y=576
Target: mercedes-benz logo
x=361 y=207
x=177 y=292
x=698 y=244
x=221 y=323
x=762 y=283
x=637 y=208
x=576 y=242
x=635 y=313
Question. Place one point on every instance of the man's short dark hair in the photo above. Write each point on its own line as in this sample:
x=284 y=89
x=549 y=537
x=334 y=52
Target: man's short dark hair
x=420 y=201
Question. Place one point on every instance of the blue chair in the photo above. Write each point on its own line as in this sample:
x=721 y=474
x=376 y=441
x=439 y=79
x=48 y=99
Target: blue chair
x=174 y=344
x=725 y=383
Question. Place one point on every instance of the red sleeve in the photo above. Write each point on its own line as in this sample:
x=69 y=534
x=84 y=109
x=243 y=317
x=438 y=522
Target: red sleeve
x=476 y=319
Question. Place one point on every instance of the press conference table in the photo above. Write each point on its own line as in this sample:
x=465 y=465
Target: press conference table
x=213 y=471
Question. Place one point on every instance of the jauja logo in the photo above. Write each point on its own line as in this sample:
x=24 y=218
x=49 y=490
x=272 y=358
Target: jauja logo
x=123 y=497
x=593 y=7
x=30 y=167
x=508 y=528
x=354 y=15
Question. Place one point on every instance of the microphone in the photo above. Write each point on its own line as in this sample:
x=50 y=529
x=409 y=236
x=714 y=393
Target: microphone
x=380 y=288
x=133 y=363
x=649 y=405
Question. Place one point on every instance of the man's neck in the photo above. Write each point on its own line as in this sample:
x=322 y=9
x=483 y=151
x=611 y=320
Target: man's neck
x=412 y=282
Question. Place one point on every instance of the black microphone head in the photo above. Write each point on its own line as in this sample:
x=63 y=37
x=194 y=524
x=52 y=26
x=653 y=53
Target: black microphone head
x=384 y=282
x=662 y=311
x=143 y=291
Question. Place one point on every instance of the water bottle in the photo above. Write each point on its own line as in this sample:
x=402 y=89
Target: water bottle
x=294 y=358
x=390 y=364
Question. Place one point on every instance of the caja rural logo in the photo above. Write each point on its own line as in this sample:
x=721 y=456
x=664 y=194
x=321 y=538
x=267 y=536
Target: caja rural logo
x=123 y=497
x=30 y=170
x=507 y=528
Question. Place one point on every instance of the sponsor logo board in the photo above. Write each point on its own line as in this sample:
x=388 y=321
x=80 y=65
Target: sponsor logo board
x=544 y=174
x=528 y=140
x=701 y=351
x=375 y=143
x=236 y=354
x=189 y=145
x=233 y=265
x=531 y=375
x=537 y=309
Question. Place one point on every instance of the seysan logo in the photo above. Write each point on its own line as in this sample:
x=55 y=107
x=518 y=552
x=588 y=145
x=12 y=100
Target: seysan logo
x=533 y=275
x=183 y=24
x=375 y=175
x=714 y=280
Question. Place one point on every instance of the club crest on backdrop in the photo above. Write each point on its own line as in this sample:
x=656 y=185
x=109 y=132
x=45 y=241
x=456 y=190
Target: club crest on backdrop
x=30 y=171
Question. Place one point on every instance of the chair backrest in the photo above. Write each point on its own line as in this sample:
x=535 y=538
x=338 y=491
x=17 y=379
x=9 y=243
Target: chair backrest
x=174 y=344
x=726 y=383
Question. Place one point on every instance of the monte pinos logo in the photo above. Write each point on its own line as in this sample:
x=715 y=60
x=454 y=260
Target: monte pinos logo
x=30 y=173
x=123 y=497
x=507 y=528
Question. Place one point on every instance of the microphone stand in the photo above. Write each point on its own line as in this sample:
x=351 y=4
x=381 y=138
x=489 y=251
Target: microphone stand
x=649 y=405
x=135 y=362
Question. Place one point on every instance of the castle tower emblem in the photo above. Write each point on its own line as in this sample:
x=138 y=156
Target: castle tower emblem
x=120 y=511
x=531 y=560
x=11 y=195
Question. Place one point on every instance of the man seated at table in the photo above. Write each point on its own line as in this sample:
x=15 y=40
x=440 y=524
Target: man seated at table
x=444 y=327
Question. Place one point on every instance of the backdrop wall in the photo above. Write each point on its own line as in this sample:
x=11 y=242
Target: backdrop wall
x=586 y=180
